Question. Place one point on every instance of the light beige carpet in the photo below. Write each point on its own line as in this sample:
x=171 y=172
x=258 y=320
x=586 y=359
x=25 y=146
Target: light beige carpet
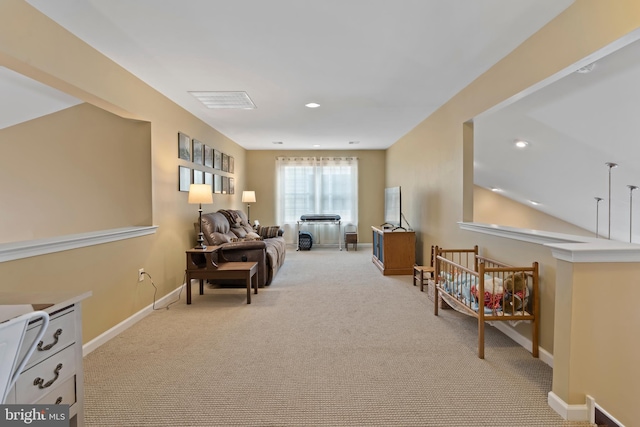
x=331 y=342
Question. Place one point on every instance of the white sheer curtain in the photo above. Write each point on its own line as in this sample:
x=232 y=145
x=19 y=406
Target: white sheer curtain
x=316 y=185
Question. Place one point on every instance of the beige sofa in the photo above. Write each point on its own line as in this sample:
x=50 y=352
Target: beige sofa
x=240 y=242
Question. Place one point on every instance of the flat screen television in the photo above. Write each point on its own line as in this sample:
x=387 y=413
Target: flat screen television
x=393 y=206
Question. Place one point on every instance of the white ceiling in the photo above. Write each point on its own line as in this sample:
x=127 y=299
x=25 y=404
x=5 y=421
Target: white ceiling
x=378 y=68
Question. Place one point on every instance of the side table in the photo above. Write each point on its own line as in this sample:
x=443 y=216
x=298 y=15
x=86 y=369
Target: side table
x=201 y=266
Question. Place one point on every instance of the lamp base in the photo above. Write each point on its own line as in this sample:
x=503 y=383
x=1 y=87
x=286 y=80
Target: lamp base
x=200 y=241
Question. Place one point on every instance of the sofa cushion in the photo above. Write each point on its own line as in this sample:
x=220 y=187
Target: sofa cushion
x=216 y=238
x=239 y=232
x=253 y=235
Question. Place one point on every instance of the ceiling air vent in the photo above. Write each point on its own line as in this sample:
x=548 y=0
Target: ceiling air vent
x=236 y=100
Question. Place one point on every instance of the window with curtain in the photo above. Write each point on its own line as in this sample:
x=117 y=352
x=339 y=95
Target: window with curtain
x=316 y=185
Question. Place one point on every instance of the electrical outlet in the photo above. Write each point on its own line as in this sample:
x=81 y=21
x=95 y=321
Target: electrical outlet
x=141 y=275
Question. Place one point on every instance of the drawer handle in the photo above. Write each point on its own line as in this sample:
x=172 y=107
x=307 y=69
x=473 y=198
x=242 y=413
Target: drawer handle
x=58 y=400
x=38 y=381
x=49 y=346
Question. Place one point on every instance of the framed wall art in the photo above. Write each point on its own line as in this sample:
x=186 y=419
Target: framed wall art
x=231 y=164
x=217 y=160
x=225 y=185
x=232 y=189
x=225 y=163
x=184 y=178
x=217 y=184
x=184 y=146
x=208 y=179
x=198 y=152
x=198 y=177
x=208 y=156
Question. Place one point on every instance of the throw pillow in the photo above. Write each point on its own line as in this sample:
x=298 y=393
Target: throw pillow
x=252 y=235
x=268 y=232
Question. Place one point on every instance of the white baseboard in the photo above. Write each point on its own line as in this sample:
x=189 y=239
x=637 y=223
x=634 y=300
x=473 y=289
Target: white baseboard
x=566 y=411
x=543 y=354
x=125 y=324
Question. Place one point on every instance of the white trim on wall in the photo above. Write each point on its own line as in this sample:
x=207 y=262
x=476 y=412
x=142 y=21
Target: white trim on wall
x=566 y=247
x=566 y=411
x=163 y=302
x=30 y=248
x=525 y=342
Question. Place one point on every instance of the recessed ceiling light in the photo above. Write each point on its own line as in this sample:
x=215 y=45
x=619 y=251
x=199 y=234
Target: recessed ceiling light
x=496 y=190
x=235 y=100
x=533 y=202
x=521 y=143
x=312 y=105
x=316 y=145
x=277 y=142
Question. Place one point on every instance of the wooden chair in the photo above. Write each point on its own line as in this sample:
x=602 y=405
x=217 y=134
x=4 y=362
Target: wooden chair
x=422 y=273
x=351 y=236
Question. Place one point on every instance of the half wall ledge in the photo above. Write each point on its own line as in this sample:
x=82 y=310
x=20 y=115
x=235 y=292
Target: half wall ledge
x=30 y=248
x=566 y=247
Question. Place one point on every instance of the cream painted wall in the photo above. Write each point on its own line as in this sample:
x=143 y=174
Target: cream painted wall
x=261 y=177
x=436 y=194
x=493 y=208
x=64 y=173
x=35 y=46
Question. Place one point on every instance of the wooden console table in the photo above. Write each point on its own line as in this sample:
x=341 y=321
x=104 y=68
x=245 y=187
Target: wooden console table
x=394 y=252
x=201 y=266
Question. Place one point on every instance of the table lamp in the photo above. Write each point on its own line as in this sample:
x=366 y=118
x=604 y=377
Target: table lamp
x=199 y=194
x=248 y=197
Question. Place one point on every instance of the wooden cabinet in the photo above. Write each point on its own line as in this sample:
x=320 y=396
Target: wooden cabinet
x=54 y=373
x=394 y=252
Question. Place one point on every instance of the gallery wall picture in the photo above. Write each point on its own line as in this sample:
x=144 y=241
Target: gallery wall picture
x=198 y=177
x=208 y=179
x=225 y=185
x=231 y=164
x=184 y=146
x=184 y=178
x=198 y=152
x=217 y=184
x=232 y=189
x=208 y=156
x=217 y=159
x=225 y=162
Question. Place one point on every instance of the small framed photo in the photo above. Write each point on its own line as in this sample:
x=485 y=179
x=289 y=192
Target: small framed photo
x=198 y=154
x=217 y=184
x=198 y=177
x=225 y=185
x=208 y=179
x=232 y=189
x=231 y=164
x=208 y=156
x=184 y=146
x=225 y=163
x=217 y=160
x=184 y=178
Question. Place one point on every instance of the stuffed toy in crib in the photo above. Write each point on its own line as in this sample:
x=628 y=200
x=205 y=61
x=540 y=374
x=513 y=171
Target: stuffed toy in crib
x=516 y=292
x=493 y=291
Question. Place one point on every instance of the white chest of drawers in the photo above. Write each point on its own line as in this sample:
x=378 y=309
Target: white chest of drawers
x=54 y=373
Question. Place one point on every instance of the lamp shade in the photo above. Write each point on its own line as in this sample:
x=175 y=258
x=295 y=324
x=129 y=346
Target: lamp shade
x=248 y=197
x=200 y=193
